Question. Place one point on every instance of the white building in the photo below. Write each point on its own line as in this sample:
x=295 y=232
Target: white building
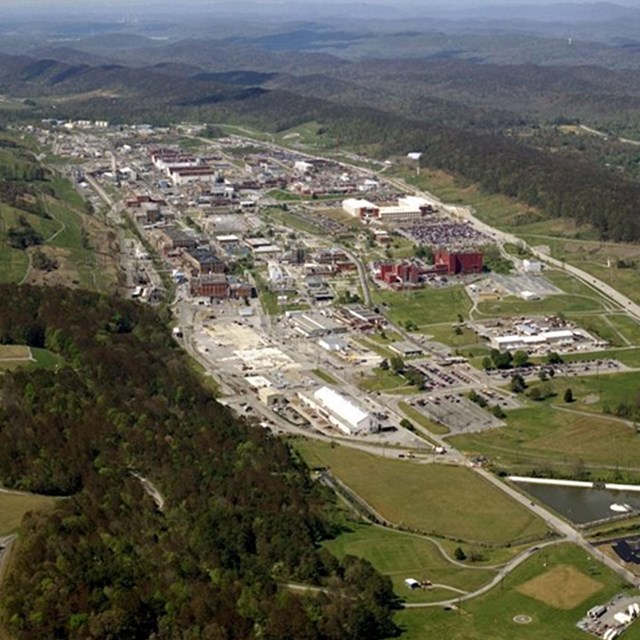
x=531 y=266
x=559 y=337
x=340 y=411
x=360 y=208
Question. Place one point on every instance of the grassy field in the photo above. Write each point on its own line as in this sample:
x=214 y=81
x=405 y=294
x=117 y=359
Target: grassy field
x=383 y=380
x=426 y=306
x=464 y=341
x=548 y=439
x=419 y=418
x=594 y=393
x=626 y=326
x=628 y=356
x=597 y=258
x=490 y=617
x=401 y=555
x=435 y=499
x=14 y=357
x=13 y=507
x=566 y=304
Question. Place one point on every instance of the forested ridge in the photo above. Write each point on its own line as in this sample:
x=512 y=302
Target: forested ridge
x=241 y=513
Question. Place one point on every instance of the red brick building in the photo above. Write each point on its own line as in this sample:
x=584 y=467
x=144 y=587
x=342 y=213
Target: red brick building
x=455 y=263
x=400 y=273
x=212 y=285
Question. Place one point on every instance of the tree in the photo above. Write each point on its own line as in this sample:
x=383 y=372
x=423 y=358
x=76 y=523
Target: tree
x=498 y=412
x=518 y=385
x=459 y=554
x=396 y=363
x=384 y=365
x=407 y=424
x=520 y=359
x=535 y=393
x=568 y=395
x=487 y=363
x=554 y=358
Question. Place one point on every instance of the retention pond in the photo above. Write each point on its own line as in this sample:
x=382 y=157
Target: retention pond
x=581 y=502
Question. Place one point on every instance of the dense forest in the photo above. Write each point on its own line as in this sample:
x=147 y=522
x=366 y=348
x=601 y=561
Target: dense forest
x=240 y=518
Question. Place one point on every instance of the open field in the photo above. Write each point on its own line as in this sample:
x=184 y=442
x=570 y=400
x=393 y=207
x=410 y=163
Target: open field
x=494 y=209
x=627 y=355
x=597 y=258
x=415 y=416
x=435 y=499
x=601 y=326
x=383 y=380
x=563 y=587
x=593 y=393
x=547 y=439
x=14 y=357
x=14 y=352
x=626 y=326
x=401 y=555
x=566 y=304
x=426 y=306
x=490 y=617
x=464 y=341
x=13 y=506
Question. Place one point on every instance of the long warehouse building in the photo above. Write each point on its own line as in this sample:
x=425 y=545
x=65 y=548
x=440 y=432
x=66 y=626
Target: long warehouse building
x=341 y=412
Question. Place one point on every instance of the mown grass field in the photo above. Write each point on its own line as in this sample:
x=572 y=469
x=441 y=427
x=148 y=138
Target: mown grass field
x=401 y=555
x=426 y=306
x=490 y=617
x=560 y=437
x=431 y=498
x=565 y=304
x=13 y=507
x=383 y=380
x=14 y=357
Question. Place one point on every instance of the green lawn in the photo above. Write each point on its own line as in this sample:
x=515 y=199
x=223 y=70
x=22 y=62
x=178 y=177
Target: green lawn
x=463 y=339
x=547 y=438
x=425 y=307
x=566 y=304
x=432 y=498
x=14 y=506
x=401 y=555
x=628 y=356
x=626 y=326
x=383 y=380
x=324 y=376
x=490 y=617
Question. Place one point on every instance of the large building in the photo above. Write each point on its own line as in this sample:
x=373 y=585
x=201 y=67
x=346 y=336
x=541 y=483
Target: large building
x=359 y=208
x=451 y=263
x=340 y=411
x=399 y=273
x=408 y=209
x=202 y=260
x=560 y=337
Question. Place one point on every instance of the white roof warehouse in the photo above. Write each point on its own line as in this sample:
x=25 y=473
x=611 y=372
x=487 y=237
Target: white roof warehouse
x=341 y=412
